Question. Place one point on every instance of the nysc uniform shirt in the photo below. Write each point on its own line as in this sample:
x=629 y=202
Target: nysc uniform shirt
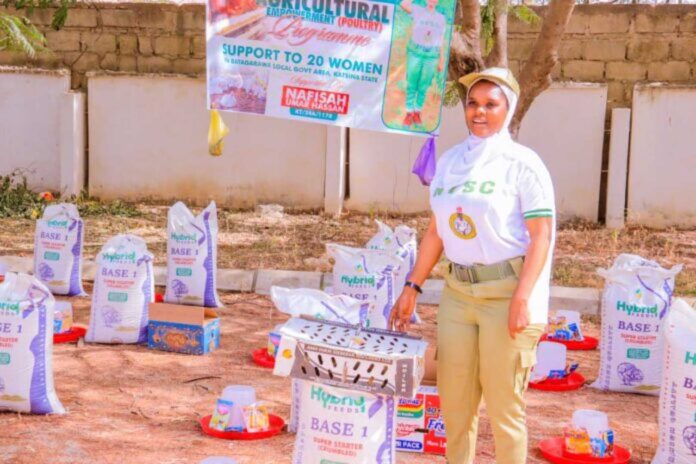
x=428 y=27
x=481 y=195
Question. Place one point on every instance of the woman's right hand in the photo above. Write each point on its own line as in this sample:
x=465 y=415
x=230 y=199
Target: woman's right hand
x=400 y=318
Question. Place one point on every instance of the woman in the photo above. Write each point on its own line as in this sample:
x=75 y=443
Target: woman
x=424 y=55
x=493 y=216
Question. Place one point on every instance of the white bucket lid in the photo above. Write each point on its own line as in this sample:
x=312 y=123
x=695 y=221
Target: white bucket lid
x=595 y=422
x=551 y=356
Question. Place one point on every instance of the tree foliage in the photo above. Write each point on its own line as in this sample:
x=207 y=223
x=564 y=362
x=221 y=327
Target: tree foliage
x=17 y=33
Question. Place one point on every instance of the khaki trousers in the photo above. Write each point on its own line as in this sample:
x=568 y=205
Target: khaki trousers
x=477 y=358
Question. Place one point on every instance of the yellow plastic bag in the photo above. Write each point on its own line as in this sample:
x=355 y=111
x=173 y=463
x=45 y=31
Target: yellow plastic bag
x=217 y=132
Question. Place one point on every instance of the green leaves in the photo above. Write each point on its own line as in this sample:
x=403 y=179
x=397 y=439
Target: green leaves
x=521 y=12
x=61 y=14
x=18 y=34
x=452 y=96
x=17 y=200
x=487 y=26
x=524 y=14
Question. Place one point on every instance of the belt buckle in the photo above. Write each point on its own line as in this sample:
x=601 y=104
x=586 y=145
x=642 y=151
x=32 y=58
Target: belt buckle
x=471 y=274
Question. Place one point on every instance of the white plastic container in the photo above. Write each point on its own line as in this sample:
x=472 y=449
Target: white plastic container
x=595 y=422
x=565 y=325
x=241 y=396
x=551 y=356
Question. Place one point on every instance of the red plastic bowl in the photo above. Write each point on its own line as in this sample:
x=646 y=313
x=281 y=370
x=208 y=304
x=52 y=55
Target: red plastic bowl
x=276 y=426
x=262 y=358
x=589 y=343
x=572 y=382
x=553 y=450
x=159 y=298
x=72 y=335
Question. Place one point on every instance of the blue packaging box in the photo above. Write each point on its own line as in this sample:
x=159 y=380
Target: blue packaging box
x=183 y=329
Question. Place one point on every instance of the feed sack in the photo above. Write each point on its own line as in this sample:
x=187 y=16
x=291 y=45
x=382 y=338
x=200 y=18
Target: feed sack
x=192 y=256
x=123 y=288
x=58 y=249
x=637 y=296
x=26 y=346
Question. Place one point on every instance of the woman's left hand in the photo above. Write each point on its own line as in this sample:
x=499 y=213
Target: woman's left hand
x=518 y=316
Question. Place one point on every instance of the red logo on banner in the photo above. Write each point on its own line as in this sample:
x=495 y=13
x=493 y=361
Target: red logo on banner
x=316 y=100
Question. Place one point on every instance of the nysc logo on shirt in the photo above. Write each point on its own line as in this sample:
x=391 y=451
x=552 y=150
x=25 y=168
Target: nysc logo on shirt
x=462 y=225
x=470 y=186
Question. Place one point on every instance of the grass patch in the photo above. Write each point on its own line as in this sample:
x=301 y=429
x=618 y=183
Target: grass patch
x=17 y=200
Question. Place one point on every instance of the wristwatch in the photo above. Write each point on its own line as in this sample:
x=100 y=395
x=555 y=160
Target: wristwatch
x=414 y=286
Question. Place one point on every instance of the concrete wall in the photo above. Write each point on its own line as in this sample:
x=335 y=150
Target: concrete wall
x=571 y=147
x=42 y=134
x=616 y=44
x=662 y=174
x=565 y=126
x=148 y=138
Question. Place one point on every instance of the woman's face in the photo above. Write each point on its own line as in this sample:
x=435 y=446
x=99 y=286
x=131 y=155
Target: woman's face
x=486 y=109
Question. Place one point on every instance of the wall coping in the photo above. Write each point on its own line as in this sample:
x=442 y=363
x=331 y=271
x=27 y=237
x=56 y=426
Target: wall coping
x=61 y=72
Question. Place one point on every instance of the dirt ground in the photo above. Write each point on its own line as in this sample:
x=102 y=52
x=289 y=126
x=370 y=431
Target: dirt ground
x=127 y=404
x=297 y=242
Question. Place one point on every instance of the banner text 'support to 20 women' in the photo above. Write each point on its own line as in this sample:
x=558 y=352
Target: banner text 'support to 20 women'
x=366 y=64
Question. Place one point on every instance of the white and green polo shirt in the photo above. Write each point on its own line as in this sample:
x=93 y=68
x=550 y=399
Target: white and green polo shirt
x=481 y=195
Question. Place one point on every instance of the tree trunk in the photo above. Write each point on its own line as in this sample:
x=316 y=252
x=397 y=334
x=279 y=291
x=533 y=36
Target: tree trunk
x=465 y=53
x=535 y=76
x=499 y=54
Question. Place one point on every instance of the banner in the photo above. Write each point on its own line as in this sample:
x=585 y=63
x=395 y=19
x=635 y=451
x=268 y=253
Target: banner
x=368 y=64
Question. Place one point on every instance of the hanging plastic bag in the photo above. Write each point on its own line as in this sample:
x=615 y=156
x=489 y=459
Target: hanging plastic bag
x=216 y=133
x=424 y=166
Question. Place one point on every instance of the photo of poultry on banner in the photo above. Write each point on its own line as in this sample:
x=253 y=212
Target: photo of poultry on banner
x=368 y=64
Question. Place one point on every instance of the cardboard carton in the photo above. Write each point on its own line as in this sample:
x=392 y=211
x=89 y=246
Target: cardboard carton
x=342 y=355
x=419 y=424
x=183 y=329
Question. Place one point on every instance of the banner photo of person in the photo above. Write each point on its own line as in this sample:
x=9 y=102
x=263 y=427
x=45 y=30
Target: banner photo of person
x=368 y=64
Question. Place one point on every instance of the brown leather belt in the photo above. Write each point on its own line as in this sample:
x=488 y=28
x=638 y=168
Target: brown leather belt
x=485 y=273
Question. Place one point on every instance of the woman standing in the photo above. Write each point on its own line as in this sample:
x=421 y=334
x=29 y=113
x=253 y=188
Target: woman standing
x=493 y=216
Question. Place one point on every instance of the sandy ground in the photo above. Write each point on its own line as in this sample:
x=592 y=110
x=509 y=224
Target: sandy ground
x=128 y=404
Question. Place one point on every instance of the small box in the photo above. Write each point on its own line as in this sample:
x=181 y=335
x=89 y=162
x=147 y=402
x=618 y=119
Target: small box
x=419 y=424
x=183 y=329
x=342 y=355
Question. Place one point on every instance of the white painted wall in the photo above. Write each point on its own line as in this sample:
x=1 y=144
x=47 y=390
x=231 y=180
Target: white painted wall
x=33 y=108
x=565 y=125
x=148 y=138
x=662 y=175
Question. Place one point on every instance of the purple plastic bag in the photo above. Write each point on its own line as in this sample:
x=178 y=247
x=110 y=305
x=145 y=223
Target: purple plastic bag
x=424 y=167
